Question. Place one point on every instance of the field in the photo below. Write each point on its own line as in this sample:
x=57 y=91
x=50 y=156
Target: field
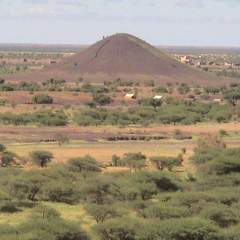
x=134 y=192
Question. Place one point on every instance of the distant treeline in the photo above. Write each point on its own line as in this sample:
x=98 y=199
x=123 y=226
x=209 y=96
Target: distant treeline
x=53 y=48
x=173 y=113
x=234 y=51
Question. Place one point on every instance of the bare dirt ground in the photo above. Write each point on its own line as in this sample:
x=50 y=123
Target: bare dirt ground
x=44 y=134
x=94 y=141
x=59 y=99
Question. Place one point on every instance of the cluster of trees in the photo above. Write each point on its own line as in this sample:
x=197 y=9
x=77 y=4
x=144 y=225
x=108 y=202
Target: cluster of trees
x=173 y=112
x=230 y=93
x=44 y=117
x=151 y=111
x=136 y=205
x=137 y=161
x=226 y=73
x=42 y=99
x=183 y=89
x=118 y=82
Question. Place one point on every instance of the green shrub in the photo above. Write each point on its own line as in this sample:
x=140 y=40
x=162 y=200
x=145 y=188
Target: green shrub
x=41 y=157
x=42 y=99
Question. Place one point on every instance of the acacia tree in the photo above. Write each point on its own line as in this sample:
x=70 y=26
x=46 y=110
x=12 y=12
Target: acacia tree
x=42 y=98
x=61 y=139
x=102 y=212
x=102 y=99
x=2 y=149
x=135 y=161
x=161 y=162
x=150 y=102
x=210 y=141
x=41 y=157
x=7 y=159
x=84 y=165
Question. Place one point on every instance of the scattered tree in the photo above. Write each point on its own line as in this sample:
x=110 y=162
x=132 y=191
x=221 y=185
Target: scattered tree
x=134 y=161
x=41 y=157
x=85 y=165
x=61 y=139
x=42 y=98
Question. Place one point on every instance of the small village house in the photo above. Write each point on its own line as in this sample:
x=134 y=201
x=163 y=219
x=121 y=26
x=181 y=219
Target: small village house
x=218 y=100
x=52 y=62
x=158 y=97
x=130 y=96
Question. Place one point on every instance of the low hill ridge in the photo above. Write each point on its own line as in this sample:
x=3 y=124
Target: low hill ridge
x=121 y=56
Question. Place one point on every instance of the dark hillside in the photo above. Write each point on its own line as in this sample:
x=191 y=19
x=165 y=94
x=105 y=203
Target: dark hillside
x=125 y=56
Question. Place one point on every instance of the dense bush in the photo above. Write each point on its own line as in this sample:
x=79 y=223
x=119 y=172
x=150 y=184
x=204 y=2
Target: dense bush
x=42 y=99
x=45 y=117
x=41 y=158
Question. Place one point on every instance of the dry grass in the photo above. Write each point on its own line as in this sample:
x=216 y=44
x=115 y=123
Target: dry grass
x=104 y=150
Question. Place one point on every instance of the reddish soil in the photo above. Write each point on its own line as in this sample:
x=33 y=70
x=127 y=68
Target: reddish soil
x=124 y=56
x=59 y=99
x=38 y=134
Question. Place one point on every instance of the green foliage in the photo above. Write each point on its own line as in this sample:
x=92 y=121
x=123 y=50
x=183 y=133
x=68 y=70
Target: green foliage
x=41 y=157
x=162 y=162
x=160 y=89
x=98 y=190
x=226 y=73
x=8 y=87
x=232 y=96
x=32 y=184
x=85 y=165
x=101 y=213
x=149 y=83
x=116 y=161
x=2 y=148
x=61 y=139
x=8 y=158
x=90 y=104
x=59 y=190
x=45 y=117
x=219 y=113
x=222 y=215
x=87 y=87
x=166 y=211
x=120 y=82
x=45 y=212
x=226 y=162
x=181 y=229
x=197 y=91
x=134 y=161
x=222 y=132
x=150 y=102
x=42 y=99
x=212 y=89
x=50 y=118
x=184 y=150
x=206 y=154
x=52 y=230
x=101 y=99
x=119 y=228
x=162 y=181
x=210 y=141
x=183 y=88
x=205 y=96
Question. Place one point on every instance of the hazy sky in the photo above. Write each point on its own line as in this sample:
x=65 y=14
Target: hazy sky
x=159 y=22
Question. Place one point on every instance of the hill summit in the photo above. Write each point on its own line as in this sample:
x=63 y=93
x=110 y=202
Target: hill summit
x=121 y=56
